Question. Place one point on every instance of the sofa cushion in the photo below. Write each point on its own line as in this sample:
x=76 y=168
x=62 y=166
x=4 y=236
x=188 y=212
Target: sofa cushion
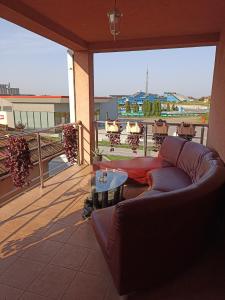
x=136 y=168
x=171 y=149
x=168 y=179
x=190 y=158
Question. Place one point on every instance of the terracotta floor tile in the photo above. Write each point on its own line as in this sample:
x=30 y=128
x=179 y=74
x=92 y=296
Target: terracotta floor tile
x=60 y=232
x=72 y=218
x=112 y=293
x=13 y=225
x=32 y=296
x=73 y=214
x=6 y=262
x=16 y=245
x=52 y=282
x=15 y=206
x=71 y=257
x=36 y=227
x=86 y=287
x=43 y=251
x=9 y=293
x=95 y=264
x=21 y=273
x=84 y=236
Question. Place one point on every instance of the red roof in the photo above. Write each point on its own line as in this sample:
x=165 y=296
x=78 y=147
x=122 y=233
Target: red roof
x=21 y=96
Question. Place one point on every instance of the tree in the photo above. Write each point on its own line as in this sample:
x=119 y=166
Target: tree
x=135 y=107
x=154 y=108
x=150 y=108
x=168 y=106
x=127 y=107
x=145 y=108
x=173 y=107
x=158 y=108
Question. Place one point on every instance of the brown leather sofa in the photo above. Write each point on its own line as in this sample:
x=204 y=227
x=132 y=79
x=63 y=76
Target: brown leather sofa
x=151 y=238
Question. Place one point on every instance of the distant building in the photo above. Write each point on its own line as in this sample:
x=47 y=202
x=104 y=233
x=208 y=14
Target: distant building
x=139 y=98
x=105 y=107
x=6 y=89
x=175 y=97
x=41 y=112
x=36 y=112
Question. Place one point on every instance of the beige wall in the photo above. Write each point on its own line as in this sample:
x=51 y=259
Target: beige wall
x=33 y=107
x=216 y=133
x=63 y=107
x=84 y=100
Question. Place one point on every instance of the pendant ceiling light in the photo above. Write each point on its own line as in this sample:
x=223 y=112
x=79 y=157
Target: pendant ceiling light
x=114 y=16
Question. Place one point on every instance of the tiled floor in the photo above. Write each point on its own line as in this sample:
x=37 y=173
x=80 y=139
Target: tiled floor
x=48 y=252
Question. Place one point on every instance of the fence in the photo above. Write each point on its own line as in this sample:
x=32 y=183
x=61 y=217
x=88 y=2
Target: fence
x=146 y=140
x=45 y=146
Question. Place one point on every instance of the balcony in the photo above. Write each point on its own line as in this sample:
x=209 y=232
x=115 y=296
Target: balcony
x=49 y=252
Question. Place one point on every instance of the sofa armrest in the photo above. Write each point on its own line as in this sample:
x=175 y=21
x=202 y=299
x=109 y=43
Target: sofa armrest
x=155 y=238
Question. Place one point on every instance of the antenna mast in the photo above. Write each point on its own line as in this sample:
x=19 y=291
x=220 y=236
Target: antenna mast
x=146 y=84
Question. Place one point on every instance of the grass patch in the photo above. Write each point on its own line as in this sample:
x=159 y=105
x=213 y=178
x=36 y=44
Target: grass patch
x=107 y=144
x=118 y=157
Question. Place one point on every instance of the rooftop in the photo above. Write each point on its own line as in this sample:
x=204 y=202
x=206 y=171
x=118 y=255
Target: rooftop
x=49 y=147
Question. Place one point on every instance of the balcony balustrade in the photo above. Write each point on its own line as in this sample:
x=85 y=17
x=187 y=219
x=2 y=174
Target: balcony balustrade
x=147 y=144
x=47 y=156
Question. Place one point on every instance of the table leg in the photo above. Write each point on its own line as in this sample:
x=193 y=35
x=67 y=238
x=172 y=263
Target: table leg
x=121 y=193
x=116 y=197
x=95 y=200
x=104 y=199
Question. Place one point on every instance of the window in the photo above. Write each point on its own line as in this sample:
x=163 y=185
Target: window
x=37 y=120
x=44 y=119
x=24 y=117
x=30 y=120
x=51 y=120
x=17 y=117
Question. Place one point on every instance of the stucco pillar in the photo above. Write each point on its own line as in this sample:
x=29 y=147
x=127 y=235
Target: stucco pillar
x=84 y=101
x=216 y=133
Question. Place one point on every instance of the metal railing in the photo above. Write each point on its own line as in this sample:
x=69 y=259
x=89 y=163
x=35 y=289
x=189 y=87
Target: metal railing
x=200 y=137
x=41 y=140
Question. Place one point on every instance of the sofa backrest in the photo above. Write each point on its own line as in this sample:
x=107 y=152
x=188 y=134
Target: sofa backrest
x=209 y=161
x=171 y=149
x=191 y=157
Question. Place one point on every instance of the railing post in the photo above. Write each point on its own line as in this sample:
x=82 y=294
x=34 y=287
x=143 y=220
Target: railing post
x=145 y=139
x=80 y=143
x=202 y=134
x=40 y=160
x=96 y=135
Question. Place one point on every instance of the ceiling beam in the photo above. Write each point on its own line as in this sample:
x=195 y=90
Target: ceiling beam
x=207 y=39
x=46 y=27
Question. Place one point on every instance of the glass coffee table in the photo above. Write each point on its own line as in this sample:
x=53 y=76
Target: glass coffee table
x=106 y=190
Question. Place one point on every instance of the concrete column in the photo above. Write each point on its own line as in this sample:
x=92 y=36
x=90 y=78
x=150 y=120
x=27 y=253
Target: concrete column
x=84 y=101
x=216 y=133
x=71 y=84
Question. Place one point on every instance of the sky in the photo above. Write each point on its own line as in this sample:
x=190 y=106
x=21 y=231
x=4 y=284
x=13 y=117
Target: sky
x=39 y=66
